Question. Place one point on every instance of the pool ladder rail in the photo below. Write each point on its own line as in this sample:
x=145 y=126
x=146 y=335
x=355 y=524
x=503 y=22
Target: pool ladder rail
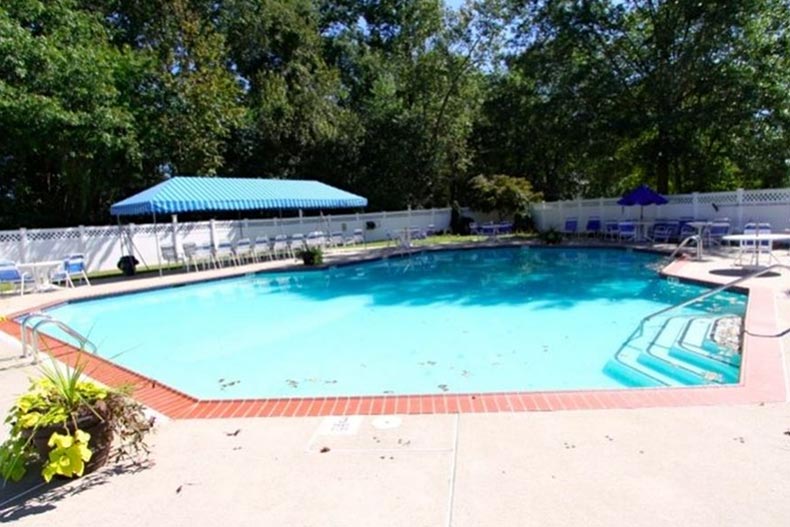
x=639 y=331
x=695 y=238
x=34 y=322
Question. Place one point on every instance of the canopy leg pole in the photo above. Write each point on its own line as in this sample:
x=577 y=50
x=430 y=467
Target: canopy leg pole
x=124 y=249
x=158 y=252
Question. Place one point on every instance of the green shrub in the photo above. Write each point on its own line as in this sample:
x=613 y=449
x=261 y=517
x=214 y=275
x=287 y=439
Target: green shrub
x=550 y=237
x=312 y=256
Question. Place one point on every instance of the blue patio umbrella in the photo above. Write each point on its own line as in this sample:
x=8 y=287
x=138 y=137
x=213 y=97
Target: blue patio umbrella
x=642 y=195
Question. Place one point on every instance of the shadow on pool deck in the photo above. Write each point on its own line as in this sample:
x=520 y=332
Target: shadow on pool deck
x=32 y=496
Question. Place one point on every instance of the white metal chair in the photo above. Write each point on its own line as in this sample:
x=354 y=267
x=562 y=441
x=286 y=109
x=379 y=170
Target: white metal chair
x=224 y=253
x=626 y=231
x=296 y=243
x=199 y=255
x=73 y=267
x=315 y=239
x=11 y=276
x=242 y=251
x=261 y=248
x=169 y=254
x=336 y=239
x=611 y=230
x=280 y=246
x=716 y=231
x=755 y=248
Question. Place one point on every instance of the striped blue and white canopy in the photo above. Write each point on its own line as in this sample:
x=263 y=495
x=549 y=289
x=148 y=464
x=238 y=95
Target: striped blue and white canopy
x=193 y=194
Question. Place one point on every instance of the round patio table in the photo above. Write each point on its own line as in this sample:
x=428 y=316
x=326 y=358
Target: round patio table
x=755 y=245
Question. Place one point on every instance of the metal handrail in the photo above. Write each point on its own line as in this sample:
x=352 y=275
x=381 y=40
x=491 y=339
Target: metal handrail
x=35 y=331
x=639 y=331
x=682 y=244
x=719 y=289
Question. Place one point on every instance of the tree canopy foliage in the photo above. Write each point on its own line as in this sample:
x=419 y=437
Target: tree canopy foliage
x=403 y=101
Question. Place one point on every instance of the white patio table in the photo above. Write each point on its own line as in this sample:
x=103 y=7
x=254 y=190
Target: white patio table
x=41 y=272
x=755 y=240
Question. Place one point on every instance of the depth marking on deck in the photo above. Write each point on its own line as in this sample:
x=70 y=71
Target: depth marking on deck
x=340 y=426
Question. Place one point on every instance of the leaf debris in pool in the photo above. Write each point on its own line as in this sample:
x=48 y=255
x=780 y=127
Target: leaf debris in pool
x=227 y=384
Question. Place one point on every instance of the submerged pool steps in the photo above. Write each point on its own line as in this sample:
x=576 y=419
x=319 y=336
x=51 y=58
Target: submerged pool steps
x=680 y=352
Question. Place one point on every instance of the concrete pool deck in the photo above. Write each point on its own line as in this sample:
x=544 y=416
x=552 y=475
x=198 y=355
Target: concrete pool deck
x=727 y=464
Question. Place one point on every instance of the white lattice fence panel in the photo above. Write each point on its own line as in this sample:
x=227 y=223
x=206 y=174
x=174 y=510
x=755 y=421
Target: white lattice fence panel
x=767 y=196
x=52 y=244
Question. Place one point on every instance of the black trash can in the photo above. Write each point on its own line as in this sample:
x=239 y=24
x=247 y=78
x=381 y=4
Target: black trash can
x=128 y=265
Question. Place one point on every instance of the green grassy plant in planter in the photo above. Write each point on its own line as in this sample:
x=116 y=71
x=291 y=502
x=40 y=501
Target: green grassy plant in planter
x=65 y=425
x=312 y=256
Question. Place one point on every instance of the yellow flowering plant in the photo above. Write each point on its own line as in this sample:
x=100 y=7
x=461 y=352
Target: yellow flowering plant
x=64 y=421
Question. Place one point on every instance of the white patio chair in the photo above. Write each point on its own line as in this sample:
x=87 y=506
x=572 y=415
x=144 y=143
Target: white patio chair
x=12 y=278
x=296 y=243
x=626 y=231
x=169 y=254
x=261 y=248
x=73 y=267
x=336 y=239
x=315 y=239
x=280 y=246
x=206 y=255
x=224 y=253
x=754 y=248
x=358 y=237
x=242 y=251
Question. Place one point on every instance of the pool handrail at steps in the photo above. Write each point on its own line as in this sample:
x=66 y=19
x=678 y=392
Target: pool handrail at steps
x=703 y=296
x=685 y=241
x=32 y=348
x=639 y=331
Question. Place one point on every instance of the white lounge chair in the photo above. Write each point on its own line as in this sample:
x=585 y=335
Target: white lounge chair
x=242 y=251
x=11 y=276
x=73 y=267
x=261 y=248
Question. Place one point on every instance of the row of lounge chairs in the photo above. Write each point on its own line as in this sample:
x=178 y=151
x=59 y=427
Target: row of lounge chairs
x=199 y=256
x=660 y=230
x=491 y=228
x=403 y=237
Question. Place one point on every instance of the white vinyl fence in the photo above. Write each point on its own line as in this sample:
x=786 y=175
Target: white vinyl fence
x=102 y=245
x=739 y=207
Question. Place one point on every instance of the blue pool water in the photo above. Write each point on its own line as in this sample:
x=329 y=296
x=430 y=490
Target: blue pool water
x=489 y=320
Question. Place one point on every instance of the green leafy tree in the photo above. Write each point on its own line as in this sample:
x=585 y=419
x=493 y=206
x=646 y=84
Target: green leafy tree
x=506 y=195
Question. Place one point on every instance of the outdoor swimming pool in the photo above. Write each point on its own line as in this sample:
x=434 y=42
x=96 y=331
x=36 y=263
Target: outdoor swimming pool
x=462 y=321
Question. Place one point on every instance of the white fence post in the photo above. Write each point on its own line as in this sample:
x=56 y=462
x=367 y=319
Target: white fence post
x=739 y=207
x=83 y=245
x=695 y=204
x=212 y=227
x=174 y=233
x=23 y=245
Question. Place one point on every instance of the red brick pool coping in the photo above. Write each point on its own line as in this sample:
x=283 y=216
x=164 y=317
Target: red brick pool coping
x=762 y=381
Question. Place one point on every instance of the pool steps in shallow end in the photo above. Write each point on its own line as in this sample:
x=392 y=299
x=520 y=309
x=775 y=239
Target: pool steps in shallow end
x=680 y=354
